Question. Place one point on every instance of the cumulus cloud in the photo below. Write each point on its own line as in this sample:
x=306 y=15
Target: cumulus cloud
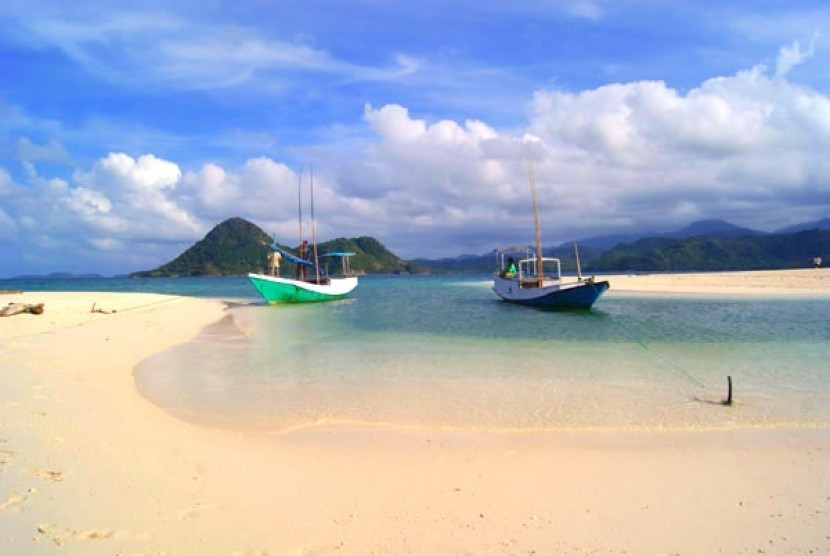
x=622 y=157
x=706 y=152
x=143 y=190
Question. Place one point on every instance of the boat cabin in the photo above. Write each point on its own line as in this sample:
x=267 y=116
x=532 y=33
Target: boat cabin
x=527 y=267
x=345 y=263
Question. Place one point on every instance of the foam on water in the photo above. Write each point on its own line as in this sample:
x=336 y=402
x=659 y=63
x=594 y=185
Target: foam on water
x=444 y=352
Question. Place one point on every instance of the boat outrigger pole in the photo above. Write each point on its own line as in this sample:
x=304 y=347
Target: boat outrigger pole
x=540 y=274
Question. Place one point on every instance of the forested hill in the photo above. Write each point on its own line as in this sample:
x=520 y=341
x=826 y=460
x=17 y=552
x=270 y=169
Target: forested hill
x=371 y=257
x=702 y=253
x=236 y=247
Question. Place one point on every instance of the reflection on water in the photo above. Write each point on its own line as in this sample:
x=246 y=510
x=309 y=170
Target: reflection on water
x=439 y=351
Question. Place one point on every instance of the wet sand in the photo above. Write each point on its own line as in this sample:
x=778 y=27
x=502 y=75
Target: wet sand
x=88 y=466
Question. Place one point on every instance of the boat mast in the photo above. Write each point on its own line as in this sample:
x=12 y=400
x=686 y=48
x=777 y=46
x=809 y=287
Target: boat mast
x=540 y=274
x=578 y=266
x=314 y=231
x=300 y=206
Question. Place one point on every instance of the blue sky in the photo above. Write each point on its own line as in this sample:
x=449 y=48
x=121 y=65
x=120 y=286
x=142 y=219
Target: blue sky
x=129 y=129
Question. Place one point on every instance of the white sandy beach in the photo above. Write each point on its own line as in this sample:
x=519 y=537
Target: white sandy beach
x=798 y=282
x=88 y=466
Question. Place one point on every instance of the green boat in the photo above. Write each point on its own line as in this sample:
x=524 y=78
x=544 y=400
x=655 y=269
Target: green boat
x=318 y=286
x=311 y=282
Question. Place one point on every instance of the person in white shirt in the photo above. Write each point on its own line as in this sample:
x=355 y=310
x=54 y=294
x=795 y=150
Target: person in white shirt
x=274 y=263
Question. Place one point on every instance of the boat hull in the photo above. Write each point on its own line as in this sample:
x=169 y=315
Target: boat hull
x=277 y=290
x=575 y=295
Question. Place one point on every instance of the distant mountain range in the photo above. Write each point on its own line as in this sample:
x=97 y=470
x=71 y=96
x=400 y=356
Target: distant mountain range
x=236 y=247
x=702 y=245
x=57 y=276
x=710 y=228
x=823 y=224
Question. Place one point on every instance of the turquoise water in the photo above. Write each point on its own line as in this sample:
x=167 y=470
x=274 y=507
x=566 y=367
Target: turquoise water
x=444 y=352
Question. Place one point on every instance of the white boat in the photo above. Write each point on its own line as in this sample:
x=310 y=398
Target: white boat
x=532 y=282
x=547 y=291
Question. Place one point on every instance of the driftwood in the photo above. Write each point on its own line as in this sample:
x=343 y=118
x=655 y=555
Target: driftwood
x=17 y=308
x=99 y=310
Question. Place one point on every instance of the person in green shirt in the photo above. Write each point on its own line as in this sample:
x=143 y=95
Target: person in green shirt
x=510 y=271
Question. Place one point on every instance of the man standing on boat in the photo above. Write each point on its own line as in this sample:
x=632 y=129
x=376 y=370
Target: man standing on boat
x=274 y=263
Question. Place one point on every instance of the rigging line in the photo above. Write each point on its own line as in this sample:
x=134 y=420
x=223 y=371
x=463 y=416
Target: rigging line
x=169 y=298
x=193 y=294
x=668 y=362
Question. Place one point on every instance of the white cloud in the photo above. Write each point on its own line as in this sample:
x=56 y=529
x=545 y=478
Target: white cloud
x=106 y=244
x=735 y=138
x=791 y=55
x=158 y=48
x=585 y=8
x=53 y=151
x=262 y=190
x=139 y=191
x=7 y=226
x=5 y=182
x=88 y=202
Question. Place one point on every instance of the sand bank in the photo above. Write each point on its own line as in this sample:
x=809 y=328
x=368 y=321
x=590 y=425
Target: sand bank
x=87 y=466
x=798 y=282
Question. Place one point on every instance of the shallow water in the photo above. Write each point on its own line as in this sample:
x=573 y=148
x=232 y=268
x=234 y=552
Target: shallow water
x=445 y=352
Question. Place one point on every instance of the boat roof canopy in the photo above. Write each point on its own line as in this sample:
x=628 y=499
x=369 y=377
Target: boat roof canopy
x=513 y=249
x=337 y=254
x=291 y=257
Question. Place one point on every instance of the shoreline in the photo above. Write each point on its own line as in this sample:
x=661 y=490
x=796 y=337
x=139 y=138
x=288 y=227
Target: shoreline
x=90 y=466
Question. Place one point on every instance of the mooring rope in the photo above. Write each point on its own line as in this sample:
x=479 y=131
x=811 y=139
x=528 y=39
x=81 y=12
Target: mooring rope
x=171 y=297
x=663 y=359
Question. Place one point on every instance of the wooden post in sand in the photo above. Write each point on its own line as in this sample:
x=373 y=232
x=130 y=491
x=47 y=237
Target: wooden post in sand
x=728 y=400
